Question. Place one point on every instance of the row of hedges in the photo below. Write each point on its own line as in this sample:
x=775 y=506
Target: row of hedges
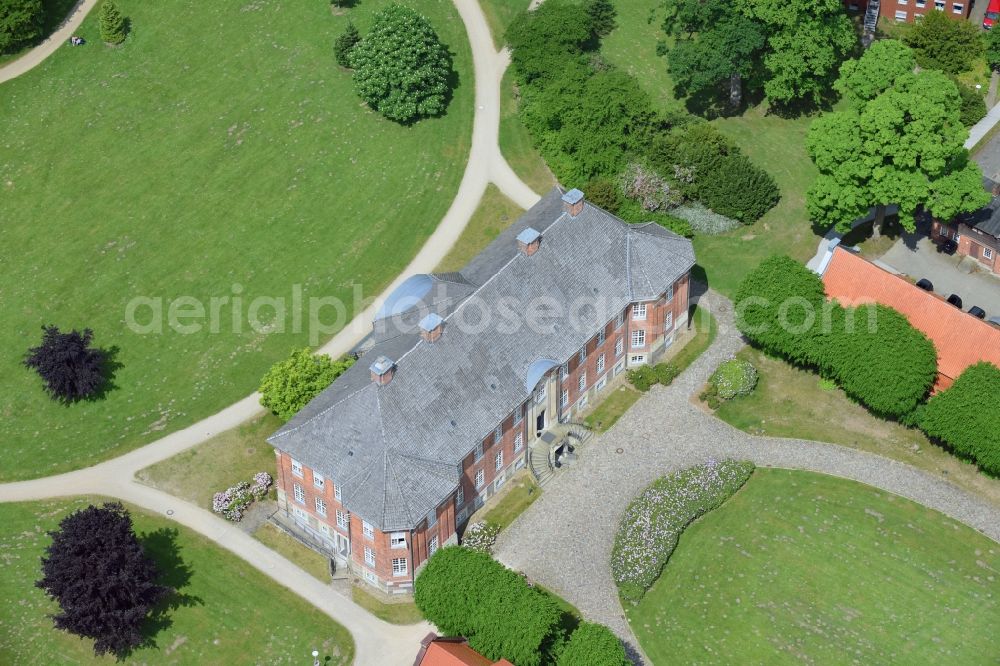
x=646 y=376
x=467 y=593
x=593 y=122
x=652 y=523
x=872 y=351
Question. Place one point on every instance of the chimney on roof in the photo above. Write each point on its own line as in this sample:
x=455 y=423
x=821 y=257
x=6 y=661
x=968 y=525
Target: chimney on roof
x=528 y=241
x=573 y=202
x=383 y=370
x=431 y=327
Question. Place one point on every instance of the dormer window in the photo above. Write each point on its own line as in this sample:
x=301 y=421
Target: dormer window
x=397 y=540
x=639 y=311
x=296 y=467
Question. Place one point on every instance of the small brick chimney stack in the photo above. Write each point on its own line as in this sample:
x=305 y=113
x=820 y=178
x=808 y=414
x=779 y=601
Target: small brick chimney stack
x=383 y=370
x=528 y=241
x=573 y=202
x=431 y=327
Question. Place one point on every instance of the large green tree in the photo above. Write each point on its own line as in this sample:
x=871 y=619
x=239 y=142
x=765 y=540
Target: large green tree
x=864 y=78
x=290 y=384
x=903 y=146
x=943 y=43
x=401 y=68
x=20 y=22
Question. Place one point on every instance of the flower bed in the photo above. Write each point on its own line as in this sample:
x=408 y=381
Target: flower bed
x=481 y=536
x=652 y=523
x=234 y=501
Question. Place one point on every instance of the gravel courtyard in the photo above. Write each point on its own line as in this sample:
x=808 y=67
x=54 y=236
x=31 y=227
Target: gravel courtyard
x=564 y=539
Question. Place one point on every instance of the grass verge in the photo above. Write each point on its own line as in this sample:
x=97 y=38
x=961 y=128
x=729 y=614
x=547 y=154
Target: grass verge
x=515 y=142
x=500 y=14
x=226 y=612
x=801 y=567
x=611 y=408
x=521 y=492
x=393 y=613
x=495 y=213
x=308 y=559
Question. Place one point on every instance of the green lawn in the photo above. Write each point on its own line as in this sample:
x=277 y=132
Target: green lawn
x=804 y=568
x=308 y=559
x=227 y=610
x=219 y=146
x=516 y=144
x=611 y=408
x=394 y=613
x=223 y=461
x=789 y=402
x=521 y=492
x=499 y=14
x=495 y=213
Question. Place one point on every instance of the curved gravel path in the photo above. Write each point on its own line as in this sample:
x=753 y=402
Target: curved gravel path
x=60 y=37
x=564 y=539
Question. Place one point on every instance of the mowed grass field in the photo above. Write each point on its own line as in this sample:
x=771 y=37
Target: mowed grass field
x=775 y=144
x=805 y=568
x=226 y=613
x=218 y=153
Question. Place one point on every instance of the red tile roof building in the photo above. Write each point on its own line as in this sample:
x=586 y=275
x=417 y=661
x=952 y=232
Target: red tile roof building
x=959 y=338
x=436 y=651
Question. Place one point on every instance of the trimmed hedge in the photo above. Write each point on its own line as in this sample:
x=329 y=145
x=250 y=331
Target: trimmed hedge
x=966 y=416
x=652 y=523
x=645 y=376
x=593 y=645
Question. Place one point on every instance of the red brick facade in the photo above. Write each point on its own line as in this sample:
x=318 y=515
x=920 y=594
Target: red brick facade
x=971 y=243
x=908 y=10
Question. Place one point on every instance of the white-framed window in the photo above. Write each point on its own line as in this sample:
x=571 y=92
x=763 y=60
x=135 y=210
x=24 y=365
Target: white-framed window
x=367 y=530
x=639 y=311
x=939 y=5
x=369 y=556
x=957 y=8
x=921 y=4
x=600 y=364
x=432 y=518
x=564 y=370
x=479 y=452
x=296 y=467
x=601 y=384
x=619 y=346
x=564 y=398
x=619 y=366
x=518 y=414
x=518 y=442
x=399 y=566
x=480 y=478
x=342 y=519
x=499 y=460
x=670 y=293
x=540 y=395
x=600 y=337
x=300 y=514
x=582 y=356
x=902 y=2
x=900 y=14
x=497 y=482
x=460 y=495
x=987 y=253
x=397 y=540
x=300 y=495
x=318 y=480
x=638 y=339
x=336 y=492
x=320 y=506
x=619 y=320
x=582 y=402
x=582 y=383
x=668 y=322
x=371 y=577
x=636 y=359
x=433 y=545
x=498 y=434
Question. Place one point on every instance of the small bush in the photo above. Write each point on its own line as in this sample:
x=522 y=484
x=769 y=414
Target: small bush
x=481 y=536
x=235 y=500
x=652 y=523
x=593 y=645
x=645 y=376
x=734 y=378
x=344 y=45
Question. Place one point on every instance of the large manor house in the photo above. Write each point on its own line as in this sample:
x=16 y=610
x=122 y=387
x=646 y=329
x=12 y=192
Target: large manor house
x=464 y=370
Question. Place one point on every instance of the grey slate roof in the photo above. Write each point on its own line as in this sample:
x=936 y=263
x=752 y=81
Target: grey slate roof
x=396 y=450
x=986 y=219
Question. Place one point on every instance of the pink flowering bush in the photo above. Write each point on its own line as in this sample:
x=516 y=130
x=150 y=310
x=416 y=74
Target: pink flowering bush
x=652 y=523
x=481 y=536
x=234 y=501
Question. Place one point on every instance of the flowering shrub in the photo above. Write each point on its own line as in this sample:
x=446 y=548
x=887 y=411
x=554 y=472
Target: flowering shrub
x=648 y=188
x=481 y=536
x=733 y=378
x=703 y=220
x=652 y=523
x=234 y=501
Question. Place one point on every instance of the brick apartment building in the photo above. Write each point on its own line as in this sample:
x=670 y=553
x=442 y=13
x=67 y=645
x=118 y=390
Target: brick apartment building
x=909 y=10
x=464 y=370
x=977 y=235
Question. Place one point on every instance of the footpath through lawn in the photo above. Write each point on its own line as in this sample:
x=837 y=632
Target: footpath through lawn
x=218 y=153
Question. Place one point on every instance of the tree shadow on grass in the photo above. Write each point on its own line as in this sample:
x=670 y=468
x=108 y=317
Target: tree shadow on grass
x=174 y=574
x=110 y=366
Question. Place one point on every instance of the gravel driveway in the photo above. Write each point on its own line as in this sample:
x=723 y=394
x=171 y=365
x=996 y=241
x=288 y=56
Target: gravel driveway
x=564 y=539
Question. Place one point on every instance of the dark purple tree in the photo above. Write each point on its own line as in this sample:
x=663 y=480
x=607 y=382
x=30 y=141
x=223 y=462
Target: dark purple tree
x=71 y=368
x=100 y=575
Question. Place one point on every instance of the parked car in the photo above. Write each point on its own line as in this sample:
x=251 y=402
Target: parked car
x=924 y=283
x=947 y=246
x=955 y=300
x=992 y=14
x=978 y=312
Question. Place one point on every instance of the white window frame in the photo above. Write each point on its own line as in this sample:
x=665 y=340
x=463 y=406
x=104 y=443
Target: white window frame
x=498 y=460
x=397 y=540
x=497 y=482
x=477 y=455
x=564 y=398
x=296 y=468
x=939 y=5
x=498 y=434
x=638 y=339
x=637 y=359
x=318 y=480
x=600 y=337
x=957 y=8
x=600 y=364
x=367 y=529
x=432 y=518
x=639 y=312
x=399 y=566
x=582 y=356
x=668 y=322
x=601 y=384
x=670 y=293
x=480 y=479
x=371 y=577
x=518 y=414
x=299 y=494
x=433 y=545
x=369 y=556
x=518 y=441
x=987 y=252
x=901 y=15
x=921 y=3
x=619 y=320
x=619 y=346
x=582 y=402
x=336 y=492
x=320 y=506
x=343 y=520
x=460 y=495
x=581 y=383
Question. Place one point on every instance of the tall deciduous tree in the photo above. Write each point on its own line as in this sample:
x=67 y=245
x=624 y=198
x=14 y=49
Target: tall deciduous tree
x=903 y=146
x=112 y=22
x=290 y=384
x=944 y=43
x=20 y=22
x=602 y=16
x=71 y=368
x=100 y=575
x=401 y=68
x=864 y=78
